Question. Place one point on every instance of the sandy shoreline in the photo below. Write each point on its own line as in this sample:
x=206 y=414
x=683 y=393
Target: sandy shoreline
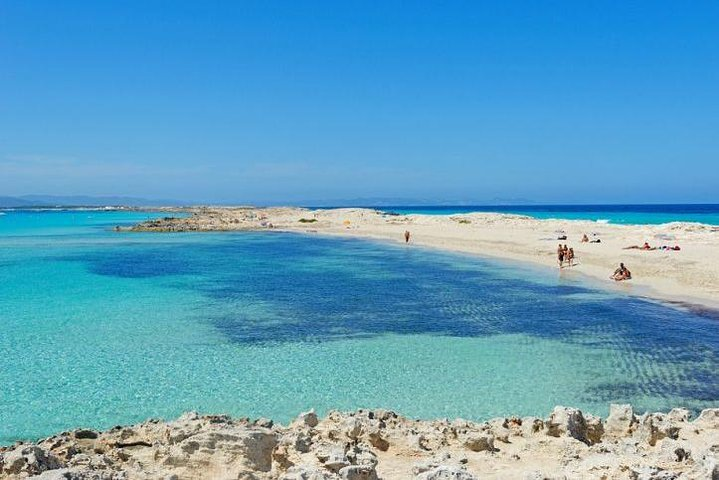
x=689 y=276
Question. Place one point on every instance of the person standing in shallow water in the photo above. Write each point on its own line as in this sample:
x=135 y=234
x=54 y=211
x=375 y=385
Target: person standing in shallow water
x=406 y=236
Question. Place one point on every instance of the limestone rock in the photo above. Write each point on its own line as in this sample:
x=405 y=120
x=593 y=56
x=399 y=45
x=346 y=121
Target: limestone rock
x=538 y=475
x=651 y=473
x=595 y=429
x=708 y=419
x=570 y=422
x=308 y=418
x=446 y=473
x=361 y=455
x=307 y=473
x=377 y=440
x=264 y=422
x=83 y=474
x=352 y=428
x=334 y=459
x=532 y=426
x=29 y=460
x=648 y=430
x=362 y=445
x=479 y=442
x=358 y=472
x=678 y=415
x=674 y=451
x=620 y=420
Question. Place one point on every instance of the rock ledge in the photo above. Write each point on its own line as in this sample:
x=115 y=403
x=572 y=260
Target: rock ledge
x=379 y=444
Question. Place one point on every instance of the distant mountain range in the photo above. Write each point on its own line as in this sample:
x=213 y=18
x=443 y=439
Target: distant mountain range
x=37 y=201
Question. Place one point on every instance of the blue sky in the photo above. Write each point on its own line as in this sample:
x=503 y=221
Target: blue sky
x=265 y=101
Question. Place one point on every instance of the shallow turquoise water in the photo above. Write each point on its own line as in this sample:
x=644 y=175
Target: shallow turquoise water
x=102 y=328
x=621 y=214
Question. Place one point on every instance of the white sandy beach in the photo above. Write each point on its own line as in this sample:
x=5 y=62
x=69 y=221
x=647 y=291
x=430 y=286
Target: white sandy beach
x=690 y=275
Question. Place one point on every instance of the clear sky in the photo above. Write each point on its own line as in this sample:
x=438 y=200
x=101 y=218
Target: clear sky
x=262 y=101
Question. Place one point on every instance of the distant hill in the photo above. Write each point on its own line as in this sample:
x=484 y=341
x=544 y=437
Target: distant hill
x=14 y=202
x=81 y=201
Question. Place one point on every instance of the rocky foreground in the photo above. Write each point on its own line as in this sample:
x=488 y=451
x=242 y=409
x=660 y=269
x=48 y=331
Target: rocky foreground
x=366 y=445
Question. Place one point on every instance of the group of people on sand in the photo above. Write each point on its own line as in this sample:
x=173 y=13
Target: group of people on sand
x=565 y=254
x=623 y=273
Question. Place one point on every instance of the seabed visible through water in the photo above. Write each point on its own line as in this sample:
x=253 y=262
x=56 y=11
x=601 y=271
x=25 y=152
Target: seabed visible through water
x=102 y=328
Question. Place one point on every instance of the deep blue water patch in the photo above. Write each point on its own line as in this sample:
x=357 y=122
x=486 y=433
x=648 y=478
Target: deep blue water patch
x=128 y=261
x=288 y=288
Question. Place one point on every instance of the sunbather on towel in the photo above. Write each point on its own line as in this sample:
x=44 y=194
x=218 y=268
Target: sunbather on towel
x=643 y=247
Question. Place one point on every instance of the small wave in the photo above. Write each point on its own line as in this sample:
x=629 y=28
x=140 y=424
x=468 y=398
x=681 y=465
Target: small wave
x=603 y=220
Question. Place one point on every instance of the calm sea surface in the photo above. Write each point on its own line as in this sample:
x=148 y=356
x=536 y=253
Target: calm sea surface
x=99 y=328
x=623 y=214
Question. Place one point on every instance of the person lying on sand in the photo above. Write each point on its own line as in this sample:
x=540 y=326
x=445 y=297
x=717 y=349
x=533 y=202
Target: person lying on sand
x=637 y=247
x=621 y=273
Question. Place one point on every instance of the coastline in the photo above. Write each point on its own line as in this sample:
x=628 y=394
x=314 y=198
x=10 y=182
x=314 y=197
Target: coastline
x=686 y=277
x=374 y=444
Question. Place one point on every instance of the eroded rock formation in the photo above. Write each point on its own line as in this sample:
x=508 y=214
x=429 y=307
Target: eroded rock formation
x=379 y=444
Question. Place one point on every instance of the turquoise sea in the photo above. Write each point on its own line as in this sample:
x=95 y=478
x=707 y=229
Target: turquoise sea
x=99 y=328
x=621 y=214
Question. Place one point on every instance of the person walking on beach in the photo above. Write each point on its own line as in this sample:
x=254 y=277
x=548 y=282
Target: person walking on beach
x=560 y=255
x=570 y=257
x=406 y=236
